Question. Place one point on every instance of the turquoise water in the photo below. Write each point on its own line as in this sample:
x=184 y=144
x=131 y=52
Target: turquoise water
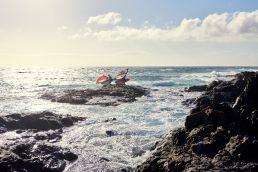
x=139 y=124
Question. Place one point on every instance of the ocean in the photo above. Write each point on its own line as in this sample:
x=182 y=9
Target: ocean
x=138 y=125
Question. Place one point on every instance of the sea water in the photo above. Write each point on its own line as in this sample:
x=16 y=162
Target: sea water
x=138 y=125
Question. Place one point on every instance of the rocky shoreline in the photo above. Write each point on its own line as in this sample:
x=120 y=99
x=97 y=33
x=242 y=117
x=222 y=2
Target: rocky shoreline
x=220 y=133
x=31 y=150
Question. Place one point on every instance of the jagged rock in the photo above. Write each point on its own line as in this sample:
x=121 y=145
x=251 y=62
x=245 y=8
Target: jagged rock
x=211 y=144
x=217 y=114
x=178 y=137
x=198 y=134
x=194 y=120
x=197 y=88
x=223 y=91
x=243 y=147
x=213 y=84
x=215 y=117
x=30 y=156
x=106 y=96
x=29 y=153
x=220 y=133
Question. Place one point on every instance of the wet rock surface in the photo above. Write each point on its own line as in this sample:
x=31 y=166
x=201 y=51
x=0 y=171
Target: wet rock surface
x=31 y=150
x=197 y=88
x=220 y=133
x=39 y=121
x=106 y=96
x=32 y=156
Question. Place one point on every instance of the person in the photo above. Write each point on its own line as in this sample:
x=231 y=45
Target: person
x=121 y=79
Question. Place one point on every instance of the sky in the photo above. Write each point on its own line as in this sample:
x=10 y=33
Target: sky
x=128 y=33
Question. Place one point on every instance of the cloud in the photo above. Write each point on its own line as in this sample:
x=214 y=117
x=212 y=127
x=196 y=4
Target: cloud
x=239 y=26
x=110 y=18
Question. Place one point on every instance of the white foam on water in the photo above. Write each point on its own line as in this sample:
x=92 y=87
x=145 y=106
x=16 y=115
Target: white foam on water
x=138 y=126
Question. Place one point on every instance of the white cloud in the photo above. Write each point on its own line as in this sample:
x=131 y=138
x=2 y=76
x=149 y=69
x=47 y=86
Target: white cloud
x=105 y=19
x=128 y=33
x=238 y=26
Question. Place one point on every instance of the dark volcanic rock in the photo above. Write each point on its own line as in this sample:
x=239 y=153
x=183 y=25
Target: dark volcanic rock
x=33 y=150
x=30 y=156
x=110 y=133
x=105 y=96
x=220 y=134
x=213 y=84
x=189 y=102
x=226 y=91
x=197 y=88
x=39 y=121
x=201 y=88
x=110 y=119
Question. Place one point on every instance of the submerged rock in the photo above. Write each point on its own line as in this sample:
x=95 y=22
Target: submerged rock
x=110 y=133
x=106 y=96
x=220 y=134
x=110 y=119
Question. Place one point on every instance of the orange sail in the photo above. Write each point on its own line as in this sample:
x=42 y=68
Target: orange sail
x=102 y=78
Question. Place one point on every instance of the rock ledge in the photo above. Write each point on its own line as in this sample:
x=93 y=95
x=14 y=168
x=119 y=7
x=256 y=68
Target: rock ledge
x=105 y=96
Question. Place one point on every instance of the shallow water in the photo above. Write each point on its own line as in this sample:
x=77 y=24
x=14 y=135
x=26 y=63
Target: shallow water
x=139 y=124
